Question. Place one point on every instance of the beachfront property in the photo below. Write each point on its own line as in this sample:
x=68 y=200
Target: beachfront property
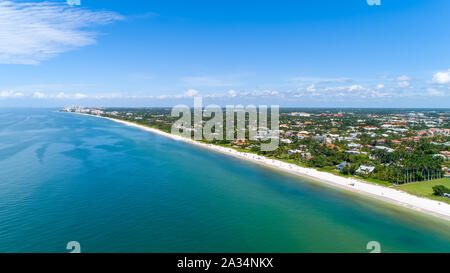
x=365 y=169
x=386 y=146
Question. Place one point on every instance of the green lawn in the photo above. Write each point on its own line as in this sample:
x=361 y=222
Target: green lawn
x=424 y=189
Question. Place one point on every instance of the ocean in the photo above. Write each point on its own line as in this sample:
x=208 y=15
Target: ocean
x=113 y=188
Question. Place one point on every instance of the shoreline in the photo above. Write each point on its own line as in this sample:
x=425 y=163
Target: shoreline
x=389 y=195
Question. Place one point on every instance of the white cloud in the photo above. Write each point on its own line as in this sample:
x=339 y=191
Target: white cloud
x=435 y=92
x=403 y=81
x=311 y=88
x=232 y=93
x=61 y=95
x=10 y=94
x=191 y=93
x=256 y=93
x=403 y=84
x=355 y=88
x=188 y=94
x=442 y=77
x=355 y=91
x=403 y=78
x=79 y=96
x=362 y=90
x=33 y=32
x=112 y=96
x=266 y=93
x=39 y=95
x=260 y=93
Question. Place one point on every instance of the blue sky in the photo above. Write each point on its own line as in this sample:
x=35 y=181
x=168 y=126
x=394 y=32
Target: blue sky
x=314 y=53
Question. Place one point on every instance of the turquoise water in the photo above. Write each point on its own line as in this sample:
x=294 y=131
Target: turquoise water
x=112 y=188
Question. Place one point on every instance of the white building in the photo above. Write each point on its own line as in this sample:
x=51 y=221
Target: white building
x=365 y=169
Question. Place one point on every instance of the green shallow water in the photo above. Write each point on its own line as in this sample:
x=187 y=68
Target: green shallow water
x=113 y=188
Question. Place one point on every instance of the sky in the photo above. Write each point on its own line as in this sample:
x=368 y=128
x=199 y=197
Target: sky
x=305 y=53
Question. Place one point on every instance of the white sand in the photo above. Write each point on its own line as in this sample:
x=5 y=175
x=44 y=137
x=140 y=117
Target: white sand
x=386 y=194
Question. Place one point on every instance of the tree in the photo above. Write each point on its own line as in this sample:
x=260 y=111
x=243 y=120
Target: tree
x=440 y=190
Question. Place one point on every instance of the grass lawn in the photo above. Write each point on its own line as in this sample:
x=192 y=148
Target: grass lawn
x=424 y=189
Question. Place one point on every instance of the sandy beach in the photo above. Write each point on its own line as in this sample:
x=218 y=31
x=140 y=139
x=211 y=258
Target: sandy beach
x=390 y=195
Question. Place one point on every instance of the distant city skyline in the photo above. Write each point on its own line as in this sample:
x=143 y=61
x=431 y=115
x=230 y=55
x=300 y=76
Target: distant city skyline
x=162 y=53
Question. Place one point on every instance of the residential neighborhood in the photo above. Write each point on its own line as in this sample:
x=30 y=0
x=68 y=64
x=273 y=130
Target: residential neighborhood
x=387 y=146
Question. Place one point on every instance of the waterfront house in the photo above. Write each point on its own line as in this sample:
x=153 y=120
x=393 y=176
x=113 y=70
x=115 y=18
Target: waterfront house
x=292 y=152
x=365 y=169
x=342 y=165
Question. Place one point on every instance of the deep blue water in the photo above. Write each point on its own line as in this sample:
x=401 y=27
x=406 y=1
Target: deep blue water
x=66 y=177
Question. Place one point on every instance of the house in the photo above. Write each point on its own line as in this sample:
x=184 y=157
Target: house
x=292 y=152
x=352 y=152
x=365 y=169
x=354 y=145
x=308 y=156
x=445 y=153
x=97 y=112
x=332 y=147
x=300 y=114
x=322 y=139
x=342 y=165
x=440 y=156
x=289 y=133
x=387 y=149
x=240 y=144
x=350 y=138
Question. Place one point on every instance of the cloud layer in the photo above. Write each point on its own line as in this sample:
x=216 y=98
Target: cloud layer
x=442 y=77
x=401 y=90
x=33 y=32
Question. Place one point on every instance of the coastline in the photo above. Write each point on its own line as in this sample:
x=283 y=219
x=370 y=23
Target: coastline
x=389 y=195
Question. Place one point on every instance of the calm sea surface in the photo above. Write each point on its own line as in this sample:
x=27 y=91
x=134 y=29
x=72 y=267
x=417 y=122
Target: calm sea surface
x=65 y=177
